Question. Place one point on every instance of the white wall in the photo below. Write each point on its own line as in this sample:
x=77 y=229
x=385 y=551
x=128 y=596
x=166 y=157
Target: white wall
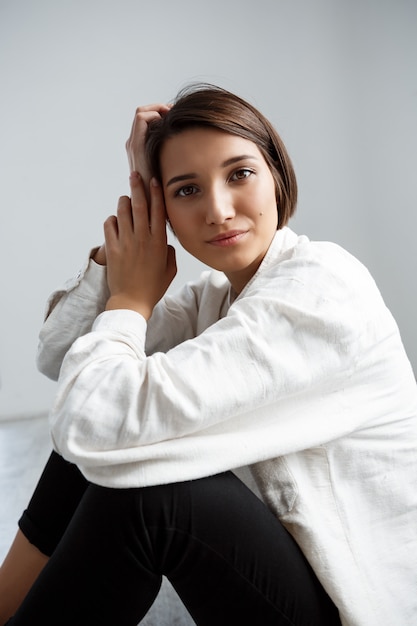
x=336 y=77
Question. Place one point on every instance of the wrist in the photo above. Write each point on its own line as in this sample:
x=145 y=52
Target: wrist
x=121 y=301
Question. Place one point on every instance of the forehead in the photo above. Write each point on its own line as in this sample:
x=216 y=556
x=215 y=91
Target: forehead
x=203 y=147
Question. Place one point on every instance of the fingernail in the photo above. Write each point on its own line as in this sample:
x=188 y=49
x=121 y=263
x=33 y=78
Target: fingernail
x=134 y=176
x=154 y=182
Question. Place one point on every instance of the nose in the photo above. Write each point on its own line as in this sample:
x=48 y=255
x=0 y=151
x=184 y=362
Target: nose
x=219 y=207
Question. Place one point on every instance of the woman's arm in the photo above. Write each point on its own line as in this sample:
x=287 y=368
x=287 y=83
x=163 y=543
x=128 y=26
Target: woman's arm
x=70 y=314
x=278 y=374
x=71 y=311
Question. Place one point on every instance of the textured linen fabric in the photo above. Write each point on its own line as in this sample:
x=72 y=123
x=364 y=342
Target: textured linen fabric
x=303 y=377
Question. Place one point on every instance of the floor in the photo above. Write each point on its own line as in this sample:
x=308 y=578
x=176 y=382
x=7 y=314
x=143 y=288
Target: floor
x=24 y=448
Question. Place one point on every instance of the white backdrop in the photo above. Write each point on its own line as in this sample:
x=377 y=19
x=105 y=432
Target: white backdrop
x=336 y=77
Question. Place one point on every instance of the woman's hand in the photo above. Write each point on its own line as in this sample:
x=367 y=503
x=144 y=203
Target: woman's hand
x=135 y=148
x=140 y=263
x=100 y=255
x=135 y=145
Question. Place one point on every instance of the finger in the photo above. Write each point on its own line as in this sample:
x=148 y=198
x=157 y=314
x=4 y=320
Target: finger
x=111 y=232
x=136 y=141
x=158 y=211
x=142 y=119
x=143 y=116
x=124 y=217
x=160 y=107
x=139 y=204
x=99 y=256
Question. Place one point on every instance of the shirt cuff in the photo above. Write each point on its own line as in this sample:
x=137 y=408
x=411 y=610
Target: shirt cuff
x=91 y=282
x=125 y=324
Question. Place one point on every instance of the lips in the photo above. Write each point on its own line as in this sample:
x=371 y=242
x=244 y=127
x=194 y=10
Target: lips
x=229 y=237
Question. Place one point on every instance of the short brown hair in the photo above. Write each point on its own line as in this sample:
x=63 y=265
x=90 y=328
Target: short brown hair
x=204 y=105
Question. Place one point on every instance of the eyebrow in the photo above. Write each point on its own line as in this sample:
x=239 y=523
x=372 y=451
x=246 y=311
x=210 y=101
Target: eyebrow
x=231 y=161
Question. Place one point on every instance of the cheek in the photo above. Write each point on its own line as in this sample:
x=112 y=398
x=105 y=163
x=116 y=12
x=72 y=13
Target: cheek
x=271 y=208
x=178 y=224
x=270 y=193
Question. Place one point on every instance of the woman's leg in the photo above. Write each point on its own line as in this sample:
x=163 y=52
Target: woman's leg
x=228 y=557
x=56 y=497
x=21 y=567
x=49 y=512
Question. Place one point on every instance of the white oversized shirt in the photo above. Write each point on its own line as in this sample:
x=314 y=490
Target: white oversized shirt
x=302 y=376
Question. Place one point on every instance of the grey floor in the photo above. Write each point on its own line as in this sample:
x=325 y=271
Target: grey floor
x=24 y=448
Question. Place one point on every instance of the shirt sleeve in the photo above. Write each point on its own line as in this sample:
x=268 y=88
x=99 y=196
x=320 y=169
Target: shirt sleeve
x=70 y=313
x=266 y=370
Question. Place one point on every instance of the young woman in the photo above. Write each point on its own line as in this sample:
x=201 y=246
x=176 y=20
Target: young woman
x=283 y=359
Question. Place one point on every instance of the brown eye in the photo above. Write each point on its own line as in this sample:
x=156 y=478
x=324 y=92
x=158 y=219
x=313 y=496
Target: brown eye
x=241 y=174
x=188 y=190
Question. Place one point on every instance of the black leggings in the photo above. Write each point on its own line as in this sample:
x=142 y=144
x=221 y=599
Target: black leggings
x=229 y=559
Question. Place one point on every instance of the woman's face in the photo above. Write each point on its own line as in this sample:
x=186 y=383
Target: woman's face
x=220 y=200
